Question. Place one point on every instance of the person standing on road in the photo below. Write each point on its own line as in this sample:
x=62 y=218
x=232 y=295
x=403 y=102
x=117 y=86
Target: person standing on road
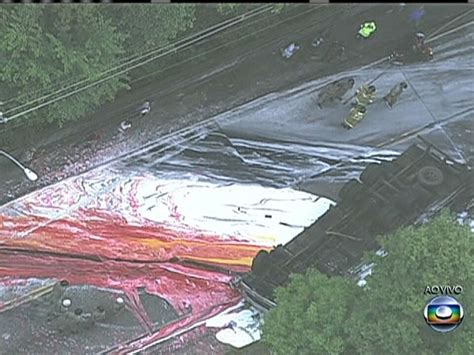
x=421 y=48
x=365 y=95
x=334 y=91
x=356 y=115
x=392 y=97
x=420 y=41
x=367 y=29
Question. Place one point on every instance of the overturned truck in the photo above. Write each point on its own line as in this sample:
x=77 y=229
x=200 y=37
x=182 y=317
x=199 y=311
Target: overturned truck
x=387 y=196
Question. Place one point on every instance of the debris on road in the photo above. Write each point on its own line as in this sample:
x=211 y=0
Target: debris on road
x=317 y=42
x=124 y=125
x=290 y=50
x=138 y=240
x=145 y=108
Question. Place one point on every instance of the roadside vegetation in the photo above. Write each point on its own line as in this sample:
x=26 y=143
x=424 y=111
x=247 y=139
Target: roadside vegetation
x=321 y=315
x=45 y=49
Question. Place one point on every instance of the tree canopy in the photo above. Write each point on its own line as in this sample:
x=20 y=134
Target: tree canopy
x=310 y=315
x=149 y=27
x=331 y=316
x=46 y=48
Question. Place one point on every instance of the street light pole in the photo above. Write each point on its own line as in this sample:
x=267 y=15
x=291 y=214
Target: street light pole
x=30 y=174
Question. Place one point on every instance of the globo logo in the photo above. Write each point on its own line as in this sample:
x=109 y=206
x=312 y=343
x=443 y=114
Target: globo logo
x=443 y=313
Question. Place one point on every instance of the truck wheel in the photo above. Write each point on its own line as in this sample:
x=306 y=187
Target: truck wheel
x=430 y=176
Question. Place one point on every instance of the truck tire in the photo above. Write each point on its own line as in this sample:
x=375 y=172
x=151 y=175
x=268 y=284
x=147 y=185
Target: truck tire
x=430 y=176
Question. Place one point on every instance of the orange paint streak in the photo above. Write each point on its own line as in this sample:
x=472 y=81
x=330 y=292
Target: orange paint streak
x=113 y=238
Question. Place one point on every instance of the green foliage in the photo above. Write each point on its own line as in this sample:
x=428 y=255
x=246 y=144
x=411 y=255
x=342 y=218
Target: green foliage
x=235 y=9
x=149 y=27
x=324 y=316
x=310 y=316
x=278 y=8
x=437 y=253
x=42 y=48
x=231 y=9
x=46 y=48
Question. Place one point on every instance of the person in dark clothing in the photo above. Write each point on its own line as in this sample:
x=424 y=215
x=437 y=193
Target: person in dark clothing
x=392 y=97
x=334 y=91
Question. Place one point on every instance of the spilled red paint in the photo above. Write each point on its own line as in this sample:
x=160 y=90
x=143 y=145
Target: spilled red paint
x=102 y=234
x=177 y=285
x=128 y=257
x=98 y=246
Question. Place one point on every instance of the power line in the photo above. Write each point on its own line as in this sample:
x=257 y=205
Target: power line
x=435 y=121
x=230 y=42
x=432 y=37
x=222 y=45
x=155 y=143
x=187 y=132
x=168 y=49
x=137 y=56
x=151 y=59
x=201 y=53
x=181 y=84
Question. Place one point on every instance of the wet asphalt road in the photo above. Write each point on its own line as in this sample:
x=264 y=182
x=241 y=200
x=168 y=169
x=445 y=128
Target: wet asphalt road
x=243 y=66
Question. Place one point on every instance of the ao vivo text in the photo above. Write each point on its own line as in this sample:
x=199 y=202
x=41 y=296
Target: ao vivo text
x=443 y=290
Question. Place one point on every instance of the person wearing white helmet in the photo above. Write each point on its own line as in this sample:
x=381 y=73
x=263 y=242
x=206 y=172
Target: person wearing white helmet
x=421 y=48
x=420 y=40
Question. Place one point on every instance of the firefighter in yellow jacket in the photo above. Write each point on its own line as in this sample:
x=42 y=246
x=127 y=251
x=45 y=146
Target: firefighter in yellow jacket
x=365 y=95
x=356 y=115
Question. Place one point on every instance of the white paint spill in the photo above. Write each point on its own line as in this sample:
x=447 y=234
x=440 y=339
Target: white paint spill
x=240 y=328
x=266 y=216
